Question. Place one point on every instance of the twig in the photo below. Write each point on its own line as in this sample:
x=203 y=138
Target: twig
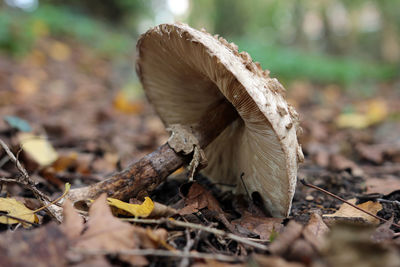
x=189 y=243
x=395 y=202
x=19 y=219
x=161 y=253
x=345 y=201
x=201 y=227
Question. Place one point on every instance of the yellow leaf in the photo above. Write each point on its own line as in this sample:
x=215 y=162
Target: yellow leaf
x=352 y=120
x=59 y=51
x=377 y=111
x=16 y=209
x=122 y=103
x=137 y=210
x=38 y=148
x=368 y=113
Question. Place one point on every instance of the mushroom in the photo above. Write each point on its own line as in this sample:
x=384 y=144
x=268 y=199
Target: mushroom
x=214 y=98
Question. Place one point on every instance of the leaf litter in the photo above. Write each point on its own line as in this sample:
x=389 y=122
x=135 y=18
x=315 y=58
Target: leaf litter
x=353 y=155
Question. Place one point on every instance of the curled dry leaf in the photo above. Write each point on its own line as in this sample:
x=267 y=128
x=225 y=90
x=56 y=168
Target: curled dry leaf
x=137 y=210
x=348 y=213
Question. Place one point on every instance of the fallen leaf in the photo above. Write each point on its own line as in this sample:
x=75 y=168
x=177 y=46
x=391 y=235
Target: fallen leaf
x=371 y=153
x=315 y=230
x=16 y=209
x=37 y=148
x=383 y=232
x=372 y=112
x=122 y=103
x=104 y=231
x=59 y=51
x=262 y=226
x=43 y=246
x=290 y=233
x=137 y=210
x=18 y=123
x=72 y=224
x=347 y=211
x=199 y=198
x=352 y=120
x=384 y=185
x=340 y=163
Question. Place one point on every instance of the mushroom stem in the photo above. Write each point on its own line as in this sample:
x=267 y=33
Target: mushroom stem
x=145 y=175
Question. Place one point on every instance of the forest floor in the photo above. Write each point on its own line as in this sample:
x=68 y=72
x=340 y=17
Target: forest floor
x=68 y=95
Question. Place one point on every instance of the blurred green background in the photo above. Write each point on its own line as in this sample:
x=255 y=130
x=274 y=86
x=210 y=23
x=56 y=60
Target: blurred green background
x=350 y=43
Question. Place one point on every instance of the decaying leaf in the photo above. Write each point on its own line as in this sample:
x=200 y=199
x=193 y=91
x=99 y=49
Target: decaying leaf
x=347 y=212
x=282 y=243
x=16 y=209
x=315 y=230
x=199 y=198
x=37 y=148
x=263 y=226
x=137 y=210
x=384 y=185
x=43 y=246
x=383 y=232
x=106 y=232
x=72 y=225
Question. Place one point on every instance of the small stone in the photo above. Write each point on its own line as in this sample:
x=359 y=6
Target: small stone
x=309 y=198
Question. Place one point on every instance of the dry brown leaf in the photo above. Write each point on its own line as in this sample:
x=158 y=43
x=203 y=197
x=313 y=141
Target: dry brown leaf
x=44 y=246
x=341 y=163
x=348 y=212
x=385 y=185
x=199 y=198
x=383 y=232
x=315 y=230
x=109 y=233
x=282 y=243
x=263 y=226
x=72 y=225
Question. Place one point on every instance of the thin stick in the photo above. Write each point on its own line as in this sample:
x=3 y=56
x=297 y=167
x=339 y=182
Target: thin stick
x=345 y=201
x=201 y=227
x=161 y=253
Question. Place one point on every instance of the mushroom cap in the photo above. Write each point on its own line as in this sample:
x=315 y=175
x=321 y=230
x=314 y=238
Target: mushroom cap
x=185 y=71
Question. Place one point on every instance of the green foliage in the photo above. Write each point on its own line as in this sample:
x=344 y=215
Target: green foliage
x=289 y=63
x=19 y=30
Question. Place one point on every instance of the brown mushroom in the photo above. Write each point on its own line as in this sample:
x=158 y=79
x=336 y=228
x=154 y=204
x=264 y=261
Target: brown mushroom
x=203 y=84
